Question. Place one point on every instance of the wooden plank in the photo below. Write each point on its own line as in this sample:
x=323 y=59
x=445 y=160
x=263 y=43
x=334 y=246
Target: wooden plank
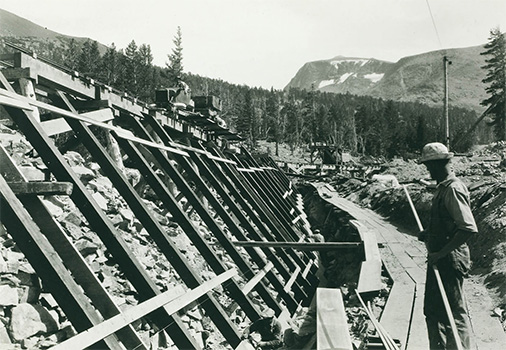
x=172 y=305
x=41 y=188
x=331 y=324
x=55 y=126
x=396 y=316
x=418 y=338
x=370 y=270
x=292 y=279
x=308 y=267
x=417 y=273
x=248 y=287
x=301 y=245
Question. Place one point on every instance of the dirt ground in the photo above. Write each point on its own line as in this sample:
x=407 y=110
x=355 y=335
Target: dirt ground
x=483 y=170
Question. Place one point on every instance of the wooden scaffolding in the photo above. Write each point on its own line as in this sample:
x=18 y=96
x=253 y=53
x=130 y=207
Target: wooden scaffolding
x=254 y=201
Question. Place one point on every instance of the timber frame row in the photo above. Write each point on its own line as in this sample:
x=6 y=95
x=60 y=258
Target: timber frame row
x=253 y=198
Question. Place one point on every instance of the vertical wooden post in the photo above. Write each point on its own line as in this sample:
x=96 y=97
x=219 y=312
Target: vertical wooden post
x=27 y=89
x=447 y=119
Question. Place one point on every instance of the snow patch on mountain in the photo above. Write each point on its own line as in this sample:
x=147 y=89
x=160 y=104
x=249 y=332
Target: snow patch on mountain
x=324 y=83
x=345 y=76
x=374 y=77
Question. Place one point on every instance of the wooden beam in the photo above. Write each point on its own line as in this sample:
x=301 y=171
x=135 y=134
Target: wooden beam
x=262 y=212
x=292 y=279
x=57 y=126
x=332 y=331
x=308 y=268
x=248 y=287
x=172 y=305
x=91 y=104
x=41 y=188
x=370 y=270
x=8 y=101
x=5 y=83
x=119 y=131
x=301 y=245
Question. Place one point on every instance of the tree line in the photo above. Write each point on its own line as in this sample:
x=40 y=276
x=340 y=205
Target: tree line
x=358 y=124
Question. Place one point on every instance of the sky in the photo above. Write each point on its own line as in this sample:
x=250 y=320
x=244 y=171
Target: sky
x=264 y=43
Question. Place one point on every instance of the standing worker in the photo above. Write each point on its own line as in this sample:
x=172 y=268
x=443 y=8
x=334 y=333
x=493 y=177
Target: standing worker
x=451 y=225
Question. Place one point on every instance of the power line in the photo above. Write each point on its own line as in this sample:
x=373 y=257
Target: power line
x=434 y=23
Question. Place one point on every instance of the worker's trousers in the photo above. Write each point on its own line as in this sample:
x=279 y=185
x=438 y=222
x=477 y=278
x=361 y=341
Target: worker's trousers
x=438 y=325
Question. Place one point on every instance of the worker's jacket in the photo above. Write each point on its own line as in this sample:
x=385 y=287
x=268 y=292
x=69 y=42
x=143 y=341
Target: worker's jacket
x=451 y=211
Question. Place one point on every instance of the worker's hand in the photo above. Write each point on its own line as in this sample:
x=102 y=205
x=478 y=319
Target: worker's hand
x=433 y=258
x=422 y=235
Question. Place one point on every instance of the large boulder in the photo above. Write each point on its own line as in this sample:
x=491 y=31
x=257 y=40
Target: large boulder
x=28 y=320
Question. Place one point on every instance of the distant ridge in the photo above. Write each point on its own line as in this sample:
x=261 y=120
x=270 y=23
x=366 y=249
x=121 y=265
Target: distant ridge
x=13 y=25
x=21 y=30
x=417 y=78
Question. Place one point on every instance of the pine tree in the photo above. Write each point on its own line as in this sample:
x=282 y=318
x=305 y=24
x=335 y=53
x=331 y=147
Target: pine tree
x=145 y=73
x=175 y=65
x=131 y=67
x=71 y=54
x=495 y=49
x=110 y=66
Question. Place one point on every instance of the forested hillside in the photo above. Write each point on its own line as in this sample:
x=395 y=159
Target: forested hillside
x=358 y=124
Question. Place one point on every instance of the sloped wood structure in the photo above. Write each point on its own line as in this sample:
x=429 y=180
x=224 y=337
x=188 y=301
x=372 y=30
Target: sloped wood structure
x=178 y=157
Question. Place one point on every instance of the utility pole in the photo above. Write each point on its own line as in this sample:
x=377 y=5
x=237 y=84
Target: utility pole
x=447 y=121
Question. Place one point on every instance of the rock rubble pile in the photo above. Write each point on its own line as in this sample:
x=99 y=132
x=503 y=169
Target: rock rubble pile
x=31 y=318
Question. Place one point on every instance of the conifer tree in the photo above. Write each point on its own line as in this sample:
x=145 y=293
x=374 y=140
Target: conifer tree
x=145 y=71
x=71 y=54
x=131 y=67
x=175 y=64
x=495 y=50
x=110 y=69
x=88 y=59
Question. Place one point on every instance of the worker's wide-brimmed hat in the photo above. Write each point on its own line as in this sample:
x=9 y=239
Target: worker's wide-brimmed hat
x=434 y=151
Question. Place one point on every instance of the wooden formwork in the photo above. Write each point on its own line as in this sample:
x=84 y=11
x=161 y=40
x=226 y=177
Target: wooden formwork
x=258 y=204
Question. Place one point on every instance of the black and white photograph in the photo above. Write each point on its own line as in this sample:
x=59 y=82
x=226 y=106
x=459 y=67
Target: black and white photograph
x=253 y=174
